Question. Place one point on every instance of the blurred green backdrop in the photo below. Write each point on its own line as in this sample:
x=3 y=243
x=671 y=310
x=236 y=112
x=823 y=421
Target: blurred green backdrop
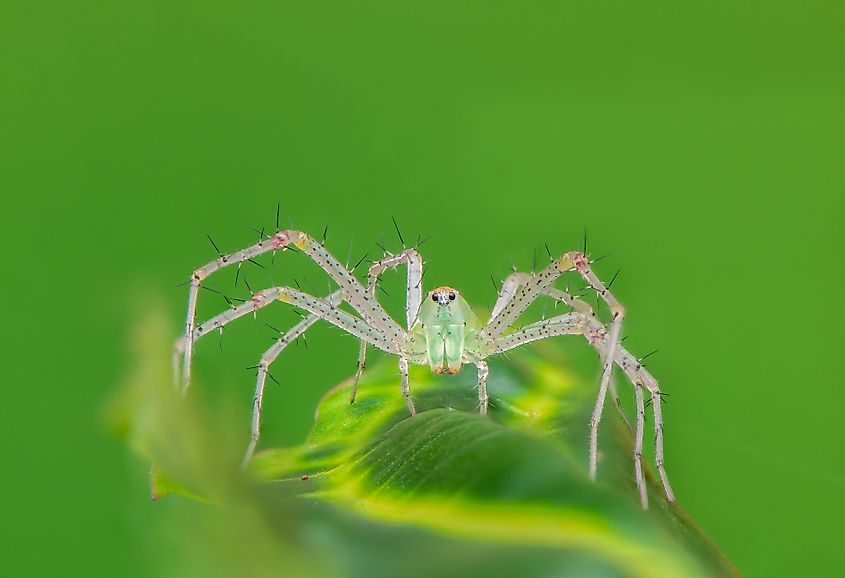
x=700 y=144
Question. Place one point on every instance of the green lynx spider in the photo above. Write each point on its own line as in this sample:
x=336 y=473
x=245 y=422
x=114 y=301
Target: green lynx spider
x=442 y=331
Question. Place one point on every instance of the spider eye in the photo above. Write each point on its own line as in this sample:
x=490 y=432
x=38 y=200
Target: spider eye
x=434 y=297
x=452 y=296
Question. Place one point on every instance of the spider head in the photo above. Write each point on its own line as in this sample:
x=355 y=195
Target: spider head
x=443 y=295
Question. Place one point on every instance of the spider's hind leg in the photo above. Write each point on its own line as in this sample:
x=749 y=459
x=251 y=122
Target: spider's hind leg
x=638 y=445
x=614 y=394
x=581 y=263
x=513 y=301
x=639 y=375
x=575 y=323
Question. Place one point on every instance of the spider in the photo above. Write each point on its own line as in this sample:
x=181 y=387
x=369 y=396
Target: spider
x=441 y=329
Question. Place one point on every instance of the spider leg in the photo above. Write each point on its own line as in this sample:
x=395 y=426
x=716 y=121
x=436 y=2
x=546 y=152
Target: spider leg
x=582 y=306
x=267 y=359
x=319 y=309
x=658 y=442
x=614 y=394
x=521 y=289
x=507 y=292
x=413 y=299
x=513 y=305
x=406 y=388
x=362 y=363
x=639 y=375
x=638 y=445
x=574 y=323
x=178 y=355
x=518 y=292
x=582 y=264
x=413 y=260
x=483 y=371
x=366 y=306
x=607 y=361
x=326 y=310
x=509 y=287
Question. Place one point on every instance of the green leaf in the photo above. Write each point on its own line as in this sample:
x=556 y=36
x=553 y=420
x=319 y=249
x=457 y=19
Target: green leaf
x=373 y=491
x=516 y=477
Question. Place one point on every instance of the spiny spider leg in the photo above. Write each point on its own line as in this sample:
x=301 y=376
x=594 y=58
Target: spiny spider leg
x=279 y=241
x=566 y=324
x=178 y=356
x=509 y=286
x=413 y=260
x=322 y=309
x=607 y=360
x=583 y=307
x=442 y=330
x=406 y=388
x=319 y=309
x=597 y=335
x=267 y=360
x=658 y=435
x=617 y=403
x=517 y=279
x=538 y=284
x=582 y=265
x=483 y=400
x=413 y=299
x=355 y=294
x=519 y=290
x=638 y=445
x=639 y=375
x=507 y=292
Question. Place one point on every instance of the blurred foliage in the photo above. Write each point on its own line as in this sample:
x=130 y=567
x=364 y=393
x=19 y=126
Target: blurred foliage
x=373 y=492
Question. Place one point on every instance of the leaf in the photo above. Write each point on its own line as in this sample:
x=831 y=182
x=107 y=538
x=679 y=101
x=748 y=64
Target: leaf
x=375 y=492
x=515 y=478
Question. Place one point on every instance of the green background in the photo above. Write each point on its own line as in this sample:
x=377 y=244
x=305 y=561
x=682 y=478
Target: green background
x=699 y=143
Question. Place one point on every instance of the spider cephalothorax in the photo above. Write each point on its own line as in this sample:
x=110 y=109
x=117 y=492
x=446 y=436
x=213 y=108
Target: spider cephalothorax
x=446 y=323
x=441 y=330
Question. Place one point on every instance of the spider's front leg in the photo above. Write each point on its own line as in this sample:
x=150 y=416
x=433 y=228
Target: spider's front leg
x=413 y=299
x=354 y=293
x=596 y=334
x=507 y=292
x=640 y=377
